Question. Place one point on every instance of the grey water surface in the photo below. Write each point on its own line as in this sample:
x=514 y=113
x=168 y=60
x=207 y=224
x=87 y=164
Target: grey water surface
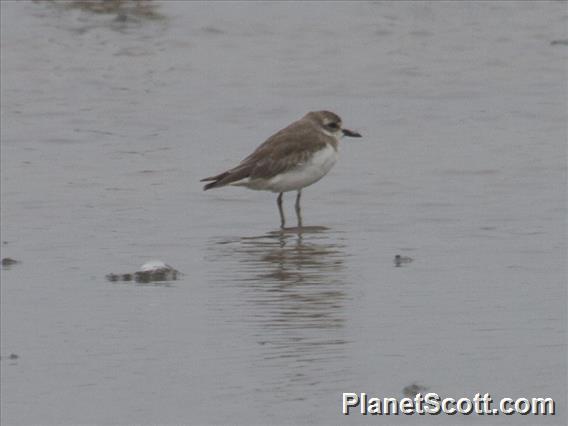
x=108 y=125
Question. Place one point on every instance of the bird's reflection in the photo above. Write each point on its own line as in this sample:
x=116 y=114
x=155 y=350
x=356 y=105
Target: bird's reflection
x=292 y=283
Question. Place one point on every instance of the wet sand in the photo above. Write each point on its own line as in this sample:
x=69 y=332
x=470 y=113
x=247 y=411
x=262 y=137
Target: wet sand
x=108 y=125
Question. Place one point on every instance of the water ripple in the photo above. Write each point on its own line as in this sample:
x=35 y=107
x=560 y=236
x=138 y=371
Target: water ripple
x=291 y=285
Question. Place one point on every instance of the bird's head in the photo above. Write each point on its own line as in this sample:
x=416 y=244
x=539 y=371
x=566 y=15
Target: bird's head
x=331 y=124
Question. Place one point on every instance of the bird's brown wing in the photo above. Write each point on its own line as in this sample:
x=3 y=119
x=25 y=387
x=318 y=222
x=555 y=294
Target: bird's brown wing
x=283 y=151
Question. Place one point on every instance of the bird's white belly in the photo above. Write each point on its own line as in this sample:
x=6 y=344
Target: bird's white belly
x=305 y=174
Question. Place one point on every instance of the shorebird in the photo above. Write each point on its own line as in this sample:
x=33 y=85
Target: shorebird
x=295 y=157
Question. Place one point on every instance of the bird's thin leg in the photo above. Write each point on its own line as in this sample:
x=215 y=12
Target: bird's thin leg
x=299 y=209
x=279 y=202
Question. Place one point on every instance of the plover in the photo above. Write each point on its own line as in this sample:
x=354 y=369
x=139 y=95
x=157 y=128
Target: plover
x=295 y=157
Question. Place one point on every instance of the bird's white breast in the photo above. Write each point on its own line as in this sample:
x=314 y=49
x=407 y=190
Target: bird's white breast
x=305 y=174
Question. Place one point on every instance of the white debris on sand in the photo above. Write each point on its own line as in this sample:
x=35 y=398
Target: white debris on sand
x=154 y=266
x=151 y=271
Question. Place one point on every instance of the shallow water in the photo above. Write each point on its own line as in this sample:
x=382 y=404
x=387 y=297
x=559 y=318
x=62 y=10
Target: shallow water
x=107 y=127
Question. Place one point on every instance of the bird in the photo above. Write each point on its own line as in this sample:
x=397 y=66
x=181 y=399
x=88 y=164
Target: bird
x=293 y=158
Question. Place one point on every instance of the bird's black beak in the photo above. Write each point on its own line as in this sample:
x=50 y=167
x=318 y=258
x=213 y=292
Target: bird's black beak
x=351 y=133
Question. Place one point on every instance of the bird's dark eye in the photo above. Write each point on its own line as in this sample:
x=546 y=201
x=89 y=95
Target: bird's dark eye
x=333 y=125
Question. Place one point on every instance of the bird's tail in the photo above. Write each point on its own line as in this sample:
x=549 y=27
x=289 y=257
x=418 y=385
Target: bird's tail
x=225 y=178
x=214 y=181
x=212 y=185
